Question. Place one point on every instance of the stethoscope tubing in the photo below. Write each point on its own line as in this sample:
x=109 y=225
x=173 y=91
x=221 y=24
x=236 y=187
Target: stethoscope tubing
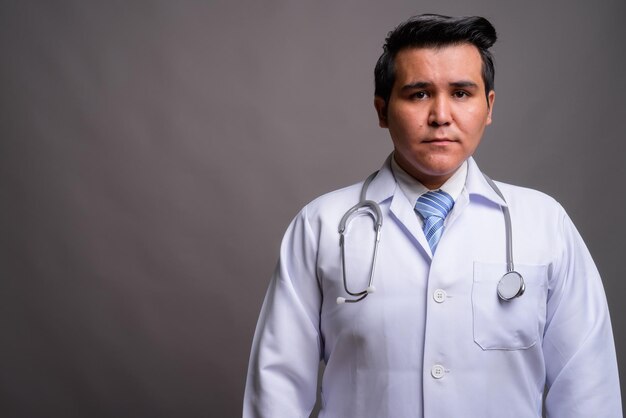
x=507 y=226
x=510 y=286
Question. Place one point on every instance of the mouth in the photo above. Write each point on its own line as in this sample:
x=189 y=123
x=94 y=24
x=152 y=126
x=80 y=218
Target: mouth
x=439 y=141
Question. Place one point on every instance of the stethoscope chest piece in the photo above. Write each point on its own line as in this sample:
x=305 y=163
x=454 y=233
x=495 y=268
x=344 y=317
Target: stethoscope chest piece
x=510 y=286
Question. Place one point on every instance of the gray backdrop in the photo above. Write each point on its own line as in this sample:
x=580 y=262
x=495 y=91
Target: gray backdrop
x=152 y=154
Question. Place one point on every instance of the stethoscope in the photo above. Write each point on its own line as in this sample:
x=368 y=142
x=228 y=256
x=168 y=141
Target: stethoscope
x=510 y=286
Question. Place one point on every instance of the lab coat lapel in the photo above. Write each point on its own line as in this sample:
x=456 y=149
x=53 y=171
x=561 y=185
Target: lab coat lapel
x=384 y=187
x=403 y=212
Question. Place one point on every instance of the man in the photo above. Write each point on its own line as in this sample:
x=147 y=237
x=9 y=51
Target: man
x=440 y=332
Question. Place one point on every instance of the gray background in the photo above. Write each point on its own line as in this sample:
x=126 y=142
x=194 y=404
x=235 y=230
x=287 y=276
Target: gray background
x=152 y=154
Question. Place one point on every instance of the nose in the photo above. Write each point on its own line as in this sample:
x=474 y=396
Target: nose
x=440 y=112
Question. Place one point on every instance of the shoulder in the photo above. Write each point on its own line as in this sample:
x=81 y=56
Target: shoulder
x=532 y=205
x=380 y=186
x=321 y=217
x=519 y=195
x=517 y=198
x=333 y=204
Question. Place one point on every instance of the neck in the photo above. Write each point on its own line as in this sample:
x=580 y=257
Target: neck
x=431 y=182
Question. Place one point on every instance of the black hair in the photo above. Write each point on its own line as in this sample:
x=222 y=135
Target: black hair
x=434 y=31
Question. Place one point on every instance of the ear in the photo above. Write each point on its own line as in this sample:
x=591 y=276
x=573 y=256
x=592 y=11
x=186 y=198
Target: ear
x=381 y=111
x=491 y=97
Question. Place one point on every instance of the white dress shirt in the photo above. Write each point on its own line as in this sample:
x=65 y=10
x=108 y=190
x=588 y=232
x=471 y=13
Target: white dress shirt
x=434 y=340
x=413 y=189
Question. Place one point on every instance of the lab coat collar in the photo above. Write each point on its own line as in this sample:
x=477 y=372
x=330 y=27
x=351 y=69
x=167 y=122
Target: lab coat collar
x=477 y=185
x=384 y=184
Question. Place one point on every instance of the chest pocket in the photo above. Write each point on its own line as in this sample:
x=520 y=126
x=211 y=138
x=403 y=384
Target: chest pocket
x=508 y=325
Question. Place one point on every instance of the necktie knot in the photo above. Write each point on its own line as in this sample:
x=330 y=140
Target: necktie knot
x=433 y=207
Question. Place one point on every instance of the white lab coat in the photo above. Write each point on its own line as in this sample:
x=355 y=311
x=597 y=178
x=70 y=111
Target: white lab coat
x=435 y=340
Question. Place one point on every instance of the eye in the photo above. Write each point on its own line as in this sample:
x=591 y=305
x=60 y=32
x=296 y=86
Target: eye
x=419 y=95
x=460 y=94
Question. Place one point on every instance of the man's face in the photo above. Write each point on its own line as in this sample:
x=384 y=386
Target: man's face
x=437 y=110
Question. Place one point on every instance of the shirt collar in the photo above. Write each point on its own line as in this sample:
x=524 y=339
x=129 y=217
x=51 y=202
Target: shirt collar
x=413 y=189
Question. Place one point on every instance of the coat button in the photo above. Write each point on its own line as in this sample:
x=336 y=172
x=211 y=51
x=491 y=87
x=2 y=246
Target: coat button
x=439 y=295
x=437 y=371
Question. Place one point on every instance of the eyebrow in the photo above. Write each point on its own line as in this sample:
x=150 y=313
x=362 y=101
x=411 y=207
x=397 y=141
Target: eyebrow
x=464 y=84
x=425 y=84
x=417 y=85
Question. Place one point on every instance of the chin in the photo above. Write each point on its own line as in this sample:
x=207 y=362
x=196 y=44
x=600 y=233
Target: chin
x=430 y=162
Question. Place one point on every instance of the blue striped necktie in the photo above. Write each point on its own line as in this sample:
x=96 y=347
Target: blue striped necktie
x=433 y=207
